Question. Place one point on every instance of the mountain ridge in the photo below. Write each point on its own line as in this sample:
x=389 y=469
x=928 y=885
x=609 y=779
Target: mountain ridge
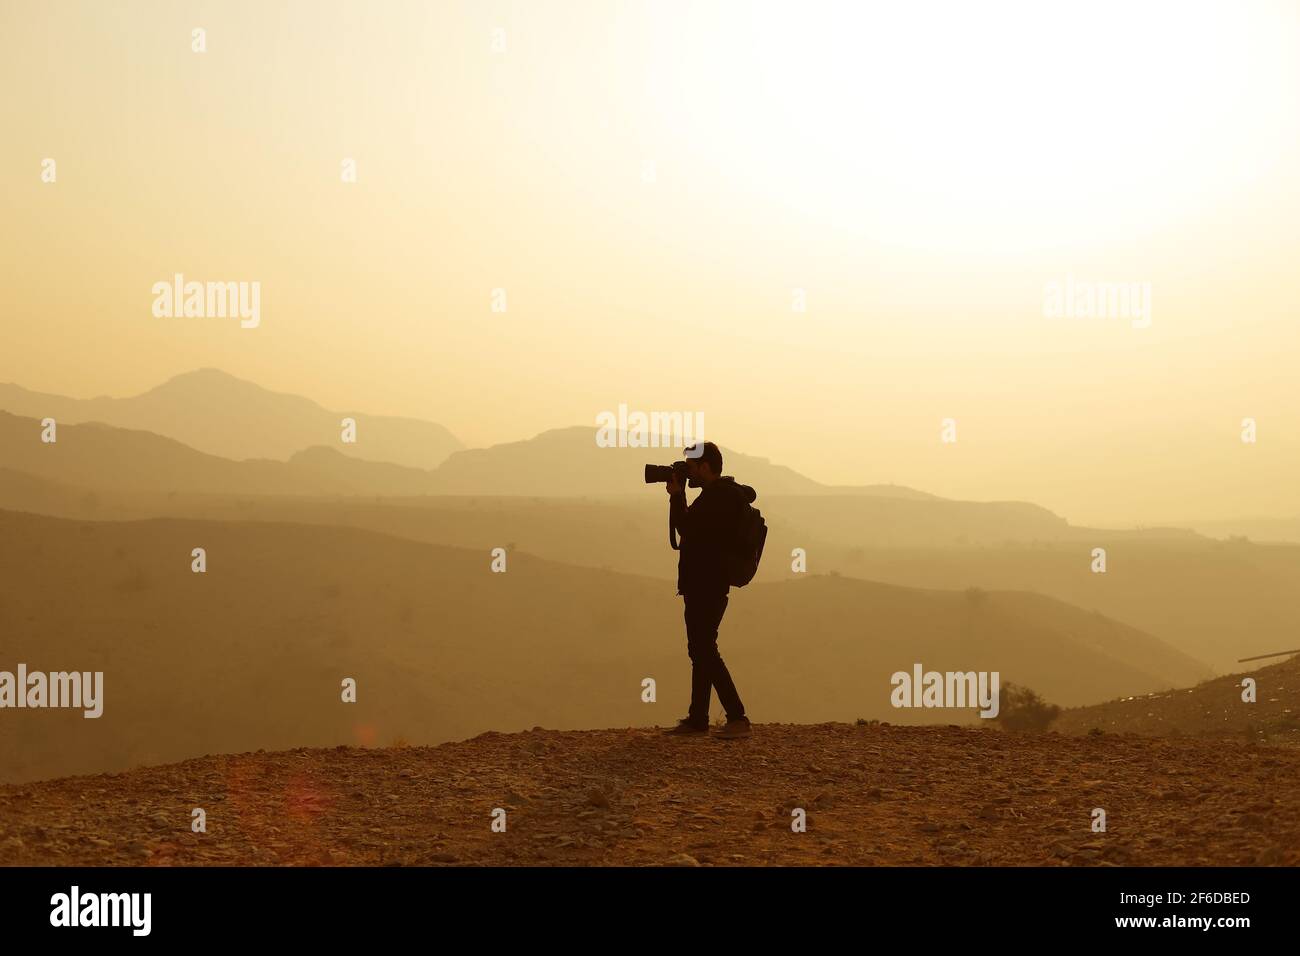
x=253 y=422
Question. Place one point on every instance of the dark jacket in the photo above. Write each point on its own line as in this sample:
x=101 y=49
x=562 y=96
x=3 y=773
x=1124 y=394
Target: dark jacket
x=707 y=529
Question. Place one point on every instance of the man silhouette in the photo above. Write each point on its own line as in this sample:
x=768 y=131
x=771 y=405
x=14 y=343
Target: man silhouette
x=707 y=528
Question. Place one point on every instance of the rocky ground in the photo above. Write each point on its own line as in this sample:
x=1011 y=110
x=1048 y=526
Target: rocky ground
x=873 y=794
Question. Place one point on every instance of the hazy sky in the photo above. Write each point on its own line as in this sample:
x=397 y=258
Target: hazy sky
x=651 y=183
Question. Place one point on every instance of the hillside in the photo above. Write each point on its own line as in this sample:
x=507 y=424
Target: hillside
x=873 y=795
x=626 y=533
x=102 y=458
x=1218 y=601
x=252 y=653
x=1283 y=530
x=1211 y=709
x=222 y=415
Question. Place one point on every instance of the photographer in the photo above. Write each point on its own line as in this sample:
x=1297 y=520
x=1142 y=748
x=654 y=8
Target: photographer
x=706 y=527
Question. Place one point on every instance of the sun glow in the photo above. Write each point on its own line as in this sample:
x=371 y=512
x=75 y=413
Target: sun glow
x=990 y=126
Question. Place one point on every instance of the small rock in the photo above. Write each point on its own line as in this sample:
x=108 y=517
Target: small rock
x=1271 y=856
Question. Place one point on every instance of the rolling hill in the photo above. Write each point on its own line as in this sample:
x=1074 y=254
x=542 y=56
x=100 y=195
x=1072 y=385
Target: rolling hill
x=1215 y=600
x=251 y=654
x=564 y=463
x=100 y=457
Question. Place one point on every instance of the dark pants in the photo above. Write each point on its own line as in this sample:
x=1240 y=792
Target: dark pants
x=703 y=615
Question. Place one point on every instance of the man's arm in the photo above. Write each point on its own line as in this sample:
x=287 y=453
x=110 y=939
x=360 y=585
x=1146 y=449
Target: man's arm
x=677 y=506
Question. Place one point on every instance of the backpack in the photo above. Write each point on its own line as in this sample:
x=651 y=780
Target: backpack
x=751 y=534
x=745 y=549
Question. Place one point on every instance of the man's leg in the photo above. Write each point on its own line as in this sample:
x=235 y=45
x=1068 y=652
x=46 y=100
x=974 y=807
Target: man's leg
x=697 y=613
x=703 y=615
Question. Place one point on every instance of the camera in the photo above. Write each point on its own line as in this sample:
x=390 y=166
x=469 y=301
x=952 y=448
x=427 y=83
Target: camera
x=664 y=473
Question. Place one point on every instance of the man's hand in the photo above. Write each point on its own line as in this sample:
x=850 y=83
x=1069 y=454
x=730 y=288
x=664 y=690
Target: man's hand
x=674 y=486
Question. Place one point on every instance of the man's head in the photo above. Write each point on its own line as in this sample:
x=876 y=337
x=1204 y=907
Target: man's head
x=703 y=464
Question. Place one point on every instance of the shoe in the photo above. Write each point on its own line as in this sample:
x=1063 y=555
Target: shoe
x=734 y=730
x=685 y=728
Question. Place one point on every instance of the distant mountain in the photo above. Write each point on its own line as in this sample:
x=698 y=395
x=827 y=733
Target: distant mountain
x=217 y=413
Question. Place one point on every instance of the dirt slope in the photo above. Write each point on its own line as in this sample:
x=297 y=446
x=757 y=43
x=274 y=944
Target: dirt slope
x=1213 y=708
x=874 y=795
